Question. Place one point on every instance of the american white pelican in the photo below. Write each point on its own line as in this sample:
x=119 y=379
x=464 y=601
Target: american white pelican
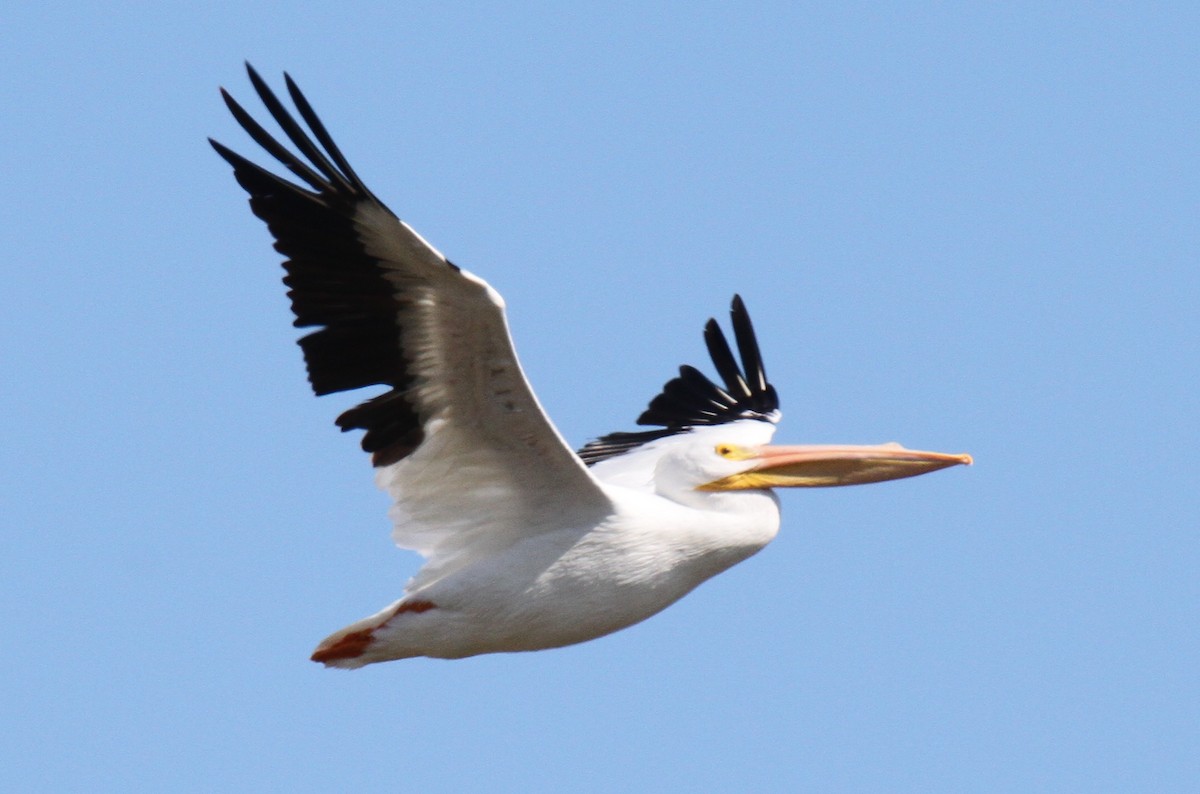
x=528 y=544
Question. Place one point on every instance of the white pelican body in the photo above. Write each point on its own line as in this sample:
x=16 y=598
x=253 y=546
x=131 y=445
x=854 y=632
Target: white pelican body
x=575 y=577
x=528 y=544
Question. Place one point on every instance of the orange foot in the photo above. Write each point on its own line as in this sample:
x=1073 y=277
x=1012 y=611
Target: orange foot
x=352 y=645
x=346 y=647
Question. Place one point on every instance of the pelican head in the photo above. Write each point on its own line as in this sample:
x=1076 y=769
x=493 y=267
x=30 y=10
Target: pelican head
x=738 y=457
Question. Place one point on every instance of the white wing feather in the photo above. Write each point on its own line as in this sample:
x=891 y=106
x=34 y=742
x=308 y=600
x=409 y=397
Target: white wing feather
x=492 y=468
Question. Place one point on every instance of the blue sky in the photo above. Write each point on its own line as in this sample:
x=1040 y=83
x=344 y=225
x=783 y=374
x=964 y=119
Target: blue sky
x=967 y=229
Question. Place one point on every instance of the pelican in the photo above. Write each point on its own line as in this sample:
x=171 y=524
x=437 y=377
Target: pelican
x=528 y=545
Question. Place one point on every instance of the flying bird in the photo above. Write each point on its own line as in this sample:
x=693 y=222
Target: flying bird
x=528 y=544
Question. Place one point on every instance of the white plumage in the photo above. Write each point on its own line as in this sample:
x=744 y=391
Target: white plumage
x=528 y=544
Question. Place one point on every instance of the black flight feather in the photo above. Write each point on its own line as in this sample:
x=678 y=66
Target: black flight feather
x=691 y=399
x=334 y=284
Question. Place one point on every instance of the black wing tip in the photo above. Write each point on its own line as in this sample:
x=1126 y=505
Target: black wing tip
x=292 y=86
x=254 y=75
x=692 y=399
x=335 y=285
x=256 y=78
x=748 y=393
x=318 y=163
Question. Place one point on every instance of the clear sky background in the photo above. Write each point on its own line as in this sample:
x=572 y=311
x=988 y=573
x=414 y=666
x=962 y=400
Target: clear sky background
x=962 y=227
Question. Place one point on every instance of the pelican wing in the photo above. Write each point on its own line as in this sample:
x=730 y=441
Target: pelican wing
x=691 y=400
x=458 y=438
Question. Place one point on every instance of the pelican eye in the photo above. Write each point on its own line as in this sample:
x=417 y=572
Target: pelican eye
x=733 y=452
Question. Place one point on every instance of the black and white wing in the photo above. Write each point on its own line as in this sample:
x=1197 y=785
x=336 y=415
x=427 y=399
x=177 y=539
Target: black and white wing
x=692 y=400
x=458 y=438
